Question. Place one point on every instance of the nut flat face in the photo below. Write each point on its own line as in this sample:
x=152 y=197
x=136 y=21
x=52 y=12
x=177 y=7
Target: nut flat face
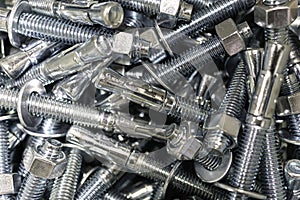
x=230 y=37
x=277 y=17
x=9 y=183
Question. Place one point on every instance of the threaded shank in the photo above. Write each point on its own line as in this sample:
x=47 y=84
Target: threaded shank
x=246 y=163
x=34 y=73
x=52 y=29
x=208 y=17
x=64 y=187
x=44 y=7
x=210 y=162
x=96 y=185
x=188 y=109
x=32 y=188
x=184 y=182
x=193 y=59
x=64 y=111
x=4 y=154
x=150 y=7
x=277 y=35
x=113 y=195
x=273 y=185
x=235 y=98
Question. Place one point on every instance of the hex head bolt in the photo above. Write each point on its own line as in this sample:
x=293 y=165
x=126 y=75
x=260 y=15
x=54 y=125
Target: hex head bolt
x=207 y=18
x=260 y=113
x=220 y=138
x=46 y=161
x=11 y=180
x=65 y=186
x=200 y=55
x=275 y=17
x=108 y=14
x=144 y=164
x=21 y=22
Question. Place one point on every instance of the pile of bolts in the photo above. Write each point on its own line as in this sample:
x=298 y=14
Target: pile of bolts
x=149 y=99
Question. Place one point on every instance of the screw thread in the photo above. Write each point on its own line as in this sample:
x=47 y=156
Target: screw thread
x=246 y=163
x=184 y=182
x=208 y=17
x=210 y=162
x=96 y=185
x=59 y=110
x=273 y=185
x=5 y=164
x=44 y=7
x=65 y=186
x=188 y=109
x=235 y=98
x=34 y=73
x=63 y=111
x=193 y=59
x=218 y=141
x=277 y=35
x=4 y=155
x=150 y=7
x=32 y=188
x=52 y=29
x=200 y=3
x=158 y=191
x=113 y=195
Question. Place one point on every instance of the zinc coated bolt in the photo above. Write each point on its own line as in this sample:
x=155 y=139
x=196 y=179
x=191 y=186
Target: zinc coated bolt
x=98 y=183
x=261 y=110
x=144 y=164
x=20 y=22
x=195 y=58
x=64 y=187
x=33 y=186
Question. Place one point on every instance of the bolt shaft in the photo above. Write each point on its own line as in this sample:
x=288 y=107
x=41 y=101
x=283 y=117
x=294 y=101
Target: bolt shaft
x=97 y=184
x=52 y=29
x=65 y=186
x=193 y=59
x=208 y=17
x=272 y=168
x=5 y=165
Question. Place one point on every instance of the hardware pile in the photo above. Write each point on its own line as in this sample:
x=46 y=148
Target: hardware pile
x=149 y=99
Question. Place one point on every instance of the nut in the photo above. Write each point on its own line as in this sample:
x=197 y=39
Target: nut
x=225 y=123
x=279 y=16
x=230 y=37
x=9 y=183
x=292 y=174
x=43 y=167
x=167 y=15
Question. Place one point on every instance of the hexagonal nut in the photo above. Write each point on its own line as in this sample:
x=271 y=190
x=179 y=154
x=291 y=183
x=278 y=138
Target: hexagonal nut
x=279 y=16
x=292 y=174
x=44 y=168
x=122 y=43
x=9 y=183
x=230 y=37
x=227 y=124
x=168 y=10
x=190 y=148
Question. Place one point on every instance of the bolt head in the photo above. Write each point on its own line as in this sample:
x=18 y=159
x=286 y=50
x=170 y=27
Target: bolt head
x=276 y=17
x=42 y=167
x=230 y=37
x=9 y=183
